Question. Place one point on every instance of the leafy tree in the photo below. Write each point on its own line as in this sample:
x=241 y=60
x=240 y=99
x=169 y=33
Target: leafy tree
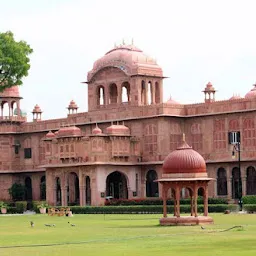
x=14 y=61
x=17 y=191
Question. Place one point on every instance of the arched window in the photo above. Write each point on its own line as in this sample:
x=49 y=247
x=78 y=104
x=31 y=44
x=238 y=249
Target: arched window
x=251 y=181
x=151 y=185
x=100 y=94
x=219 y=135
x=221 y=182
x=14 y=111
x=150 y=93
x=233 y=125
x=125 y=92
x=175 y=136
x=5 y=108
x=196 y=136
x=150 y=139
x=249 y=134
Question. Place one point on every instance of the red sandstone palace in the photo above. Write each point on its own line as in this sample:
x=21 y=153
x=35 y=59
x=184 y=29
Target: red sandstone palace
x=117 y=148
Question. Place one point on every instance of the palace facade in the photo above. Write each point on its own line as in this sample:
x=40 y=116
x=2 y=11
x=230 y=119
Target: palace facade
x=117 y=148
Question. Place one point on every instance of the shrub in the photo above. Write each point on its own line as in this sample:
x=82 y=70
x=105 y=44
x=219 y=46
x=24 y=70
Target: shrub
x=145 y=209
x=21 y=206
x=12 y=210
x=159 y=201
x=249 y=199
x=250 y=208
x=17 y=191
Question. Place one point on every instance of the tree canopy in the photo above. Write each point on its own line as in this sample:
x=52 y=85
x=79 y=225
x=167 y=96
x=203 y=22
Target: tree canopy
x=14 y=61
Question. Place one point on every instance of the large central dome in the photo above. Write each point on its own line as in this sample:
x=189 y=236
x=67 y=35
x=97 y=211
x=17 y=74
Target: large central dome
x=128 y=58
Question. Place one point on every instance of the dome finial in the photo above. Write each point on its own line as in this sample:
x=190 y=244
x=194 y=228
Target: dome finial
x=132 y=41
x=123 y=42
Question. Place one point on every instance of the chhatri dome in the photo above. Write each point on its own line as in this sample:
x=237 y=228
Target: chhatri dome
x=184 y=168
x=251 y=93
x=130 y=59
x=185 y=160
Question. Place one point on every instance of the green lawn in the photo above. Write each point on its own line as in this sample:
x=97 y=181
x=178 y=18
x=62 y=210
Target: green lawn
x=125 y=235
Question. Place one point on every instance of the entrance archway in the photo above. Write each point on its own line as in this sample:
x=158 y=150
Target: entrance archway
x=73 y=189
x=28 y=189
x=251 y=181
x=42 y=188
x=151 y=185
x=116 y=185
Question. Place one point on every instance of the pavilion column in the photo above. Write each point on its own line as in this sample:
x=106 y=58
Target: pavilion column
x=177 y=193
x=164 y=191
x=191 y=203
x=206 y=200
x=175 y=203
x=195 y=200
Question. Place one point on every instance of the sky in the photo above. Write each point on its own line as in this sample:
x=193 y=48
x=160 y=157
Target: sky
x=193 y=41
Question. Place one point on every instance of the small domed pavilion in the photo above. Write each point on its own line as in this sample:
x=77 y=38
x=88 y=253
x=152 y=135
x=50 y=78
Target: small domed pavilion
x=185 y=168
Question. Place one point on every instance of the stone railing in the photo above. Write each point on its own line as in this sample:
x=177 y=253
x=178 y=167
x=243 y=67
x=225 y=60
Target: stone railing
x=13 y=118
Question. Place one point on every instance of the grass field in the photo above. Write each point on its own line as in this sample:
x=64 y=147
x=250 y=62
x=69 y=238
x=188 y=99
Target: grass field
x=125 y=235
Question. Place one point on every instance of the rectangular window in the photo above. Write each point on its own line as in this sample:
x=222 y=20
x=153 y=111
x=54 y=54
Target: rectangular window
x=233 y=137
x=27 y=153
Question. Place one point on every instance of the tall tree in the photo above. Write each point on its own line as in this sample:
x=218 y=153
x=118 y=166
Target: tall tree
x=14 y=61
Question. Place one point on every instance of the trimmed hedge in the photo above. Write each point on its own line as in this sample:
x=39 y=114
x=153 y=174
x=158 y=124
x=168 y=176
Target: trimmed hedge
x=159 y=201
x=140 y=209
x=250 y=208
x=249 y=199
x=21 y=206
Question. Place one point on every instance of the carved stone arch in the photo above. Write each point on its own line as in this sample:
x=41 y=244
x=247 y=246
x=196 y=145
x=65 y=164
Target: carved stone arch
x=250 y=181
x=151 y=185
x=73 y=194
x=117 y=184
